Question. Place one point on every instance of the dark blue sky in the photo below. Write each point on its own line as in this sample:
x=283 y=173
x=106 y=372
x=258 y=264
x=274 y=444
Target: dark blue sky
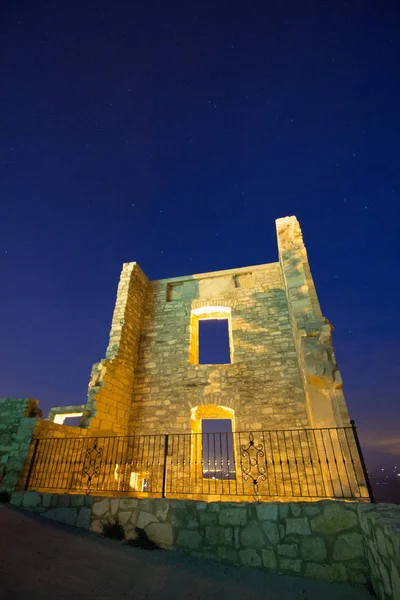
x=174 y=134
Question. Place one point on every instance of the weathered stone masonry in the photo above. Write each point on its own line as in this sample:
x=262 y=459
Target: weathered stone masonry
x=328 y=540
x=283 y=372
x=18 y=419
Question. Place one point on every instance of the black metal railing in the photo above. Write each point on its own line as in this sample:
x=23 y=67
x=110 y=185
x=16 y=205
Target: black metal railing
x=296 y=463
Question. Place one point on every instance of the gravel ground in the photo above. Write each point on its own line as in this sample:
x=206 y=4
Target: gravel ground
x=40 y=559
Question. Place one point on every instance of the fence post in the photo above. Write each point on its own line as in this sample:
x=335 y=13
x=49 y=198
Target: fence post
x=364 y=468
x=28 y=477
x=164 y=480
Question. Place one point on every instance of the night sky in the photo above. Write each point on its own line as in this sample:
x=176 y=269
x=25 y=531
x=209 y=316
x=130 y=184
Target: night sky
x=174 y=134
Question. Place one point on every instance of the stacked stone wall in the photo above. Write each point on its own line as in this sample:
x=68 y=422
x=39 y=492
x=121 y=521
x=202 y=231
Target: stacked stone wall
x=263 y=384
x=71 y=510
x=321 y=378
x=111 y=383
x=330 y=540
x=381 y=531
x=18 y=417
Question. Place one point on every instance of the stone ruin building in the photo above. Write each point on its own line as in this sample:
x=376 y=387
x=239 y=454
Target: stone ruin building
x=282 y=372
x=270 y=421
x=179 y=447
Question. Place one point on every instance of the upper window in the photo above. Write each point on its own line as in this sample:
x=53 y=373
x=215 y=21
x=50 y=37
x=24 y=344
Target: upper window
x=214 y=342
x=211 y=336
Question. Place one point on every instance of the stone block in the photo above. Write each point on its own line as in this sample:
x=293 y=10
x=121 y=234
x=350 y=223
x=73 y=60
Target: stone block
x=381 y=541
x=146 y=504
x=89 y=500
x=31 y=499
x=77 y=500
x=130 y=532
x=16 y=498
x=134 y=517
x=295 y=509
x=283 y=510
x=46 y=500
x=232 y=515
x=250 y=557
x=267 y=512
x=219 y=536
x=184 y=518
x=288 y=550
x=160 y=533
x=251 y=536
x=124 y=516
x=395 y=579
x=271 y=531
x=208 y=518
x=228 y=555
x=313 y=548
x=162 y=509
x=348 y=546
x=83 y=520
x=385 y=578
x=145 y=518
x=68 y=516
x=114 y=506
x=96 y=526
x=334 y=572
x=269 y=558
x=297 y=526
x=189 y=538
x=357 y=576
x=101 y=507
x=309 y=510
x=64 y=500
x=290 y=564
x=334 y=519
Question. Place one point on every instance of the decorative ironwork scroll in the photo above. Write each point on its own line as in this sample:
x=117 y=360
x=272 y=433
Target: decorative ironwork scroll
x=92 y=464
x=252 y=463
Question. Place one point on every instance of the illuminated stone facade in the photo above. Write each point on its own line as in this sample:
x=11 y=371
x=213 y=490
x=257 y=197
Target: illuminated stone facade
x=281 y=384
x=283 y=372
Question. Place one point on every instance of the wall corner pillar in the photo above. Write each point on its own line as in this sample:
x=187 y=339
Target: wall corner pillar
x=322 y=382
x=111 y=382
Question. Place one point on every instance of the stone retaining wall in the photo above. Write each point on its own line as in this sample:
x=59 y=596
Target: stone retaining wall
x=63 y=508
x=381 y=532
x=330 y=540
x=18 y=417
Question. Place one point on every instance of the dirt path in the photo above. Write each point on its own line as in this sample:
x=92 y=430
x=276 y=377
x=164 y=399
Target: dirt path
x=40 y=559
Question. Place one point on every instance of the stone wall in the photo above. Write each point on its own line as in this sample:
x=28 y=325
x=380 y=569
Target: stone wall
x=321 y=378
x=262 y=385
x=283 y=372
x=321 y=540
x=68 y=509
x=111 y=382
x=18 y=417
x=331 y=540
x=381 y=530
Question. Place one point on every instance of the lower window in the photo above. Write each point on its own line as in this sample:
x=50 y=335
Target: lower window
x=217 y=449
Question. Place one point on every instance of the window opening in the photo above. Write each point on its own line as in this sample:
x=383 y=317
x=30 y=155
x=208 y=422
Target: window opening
x=217 y=449
x=214 y=342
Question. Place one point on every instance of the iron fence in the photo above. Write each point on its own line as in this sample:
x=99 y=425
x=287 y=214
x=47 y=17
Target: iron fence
x=295 y=463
